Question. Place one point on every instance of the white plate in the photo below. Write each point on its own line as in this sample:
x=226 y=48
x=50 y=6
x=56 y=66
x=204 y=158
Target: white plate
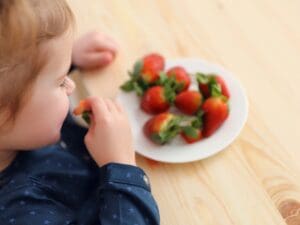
x=177 y=151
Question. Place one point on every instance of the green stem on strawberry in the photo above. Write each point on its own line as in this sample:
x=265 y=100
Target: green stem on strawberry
x=212 y=85
x=128 y=86
x=136 y=82
x=215 y=88
x=209 y=79
x=202 y=78
x=162 y=78
x=86 y=117
x=170 y=131
x=190 y=131
x=137 y=69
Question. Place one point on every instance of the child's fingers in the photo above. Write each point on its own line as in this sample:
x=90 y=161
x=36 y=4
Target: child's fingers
x=98 y=59
x=93 y=123
x=108 y=105
x=98 y=107
x=119 y=107
x=112 y=106
x=106 y=44
x=113 y=45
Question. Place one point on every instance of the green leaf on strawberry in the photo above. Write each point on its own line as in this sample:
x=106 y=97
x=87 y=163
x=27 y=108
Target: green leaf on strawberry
x=163 y=128
x=190 y=131
x=215 y=89
x=162 y=78
x=171 y=130
x=202 y=78
x=128 y=86
x=138 y=89
x=170 y=94
x=86 y=117
x=137 y=68
x=197 y=123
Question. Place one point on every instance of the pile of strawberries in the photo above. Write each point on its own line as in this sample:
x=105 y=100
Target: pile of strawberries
x=202 y=111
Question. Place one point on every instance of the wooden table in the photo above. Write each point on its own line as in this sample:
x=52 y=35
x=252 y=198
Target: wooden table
x=256 y=180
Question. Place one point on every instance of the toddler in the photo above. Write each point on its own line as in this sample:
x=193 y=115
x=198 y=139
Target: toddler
x=53 y=171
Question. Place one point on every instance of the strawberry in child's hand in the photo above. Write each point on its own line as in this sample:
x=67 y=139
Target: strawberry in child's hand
x=182 y=78
x=162 y=128
x=188 y=102
x=212 y=85
x=83 y=109
x=82 y=106
x=215 y=113
x=157 y=99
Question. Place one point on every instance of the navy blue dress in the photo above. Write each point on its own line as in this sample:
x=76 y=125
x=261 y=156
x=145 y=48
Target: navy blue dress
x=62 y=185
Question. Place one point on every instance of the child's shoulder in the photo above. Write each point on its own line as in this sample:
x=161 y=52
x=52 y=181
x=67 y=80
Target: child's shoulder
x=49 y=173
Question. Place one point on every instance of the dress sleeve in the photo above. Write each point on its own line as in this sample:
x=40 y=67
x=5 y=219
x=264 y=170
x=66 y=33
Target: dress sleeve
x=125 y=197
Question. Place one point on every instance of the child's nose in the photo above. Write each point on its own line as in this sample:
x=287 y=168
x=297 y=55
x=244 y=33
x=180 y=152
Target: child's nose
x=71 y=87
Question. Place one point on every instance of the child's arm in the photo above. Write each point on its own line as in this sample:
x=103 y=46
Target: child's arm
x=124 y=191
x=125 y=197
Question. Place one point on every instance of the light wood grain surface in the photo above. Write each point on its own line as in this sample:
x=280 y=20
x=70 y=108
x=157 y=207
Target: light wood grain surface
x=256 y=180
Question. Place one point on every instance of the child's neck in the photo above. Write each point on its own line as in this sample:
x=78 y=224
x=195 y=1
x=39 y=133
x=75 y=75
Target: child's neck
x=6 y=158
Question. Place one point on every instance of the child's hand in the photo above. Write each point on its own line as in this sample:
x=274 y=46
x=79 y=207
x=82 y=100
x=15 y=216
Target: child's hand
x=94 y=50
x=109 y=138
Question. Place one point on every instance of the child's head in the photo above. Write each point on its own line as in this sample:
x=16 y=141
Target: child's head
x=35 y=55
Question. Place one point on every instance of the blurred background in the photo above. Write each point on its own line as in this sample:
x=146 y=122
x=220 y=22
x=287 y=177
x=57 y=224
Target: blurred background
x=257 y=179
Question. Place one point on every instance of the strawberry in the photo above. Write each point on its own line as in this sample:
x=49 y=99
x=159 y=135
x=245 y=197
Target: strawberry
x=83 y=109
x=216 y=111
x=224 y=88
x=204 y=88
x=188 y=101
x=152 y=65
x=162 y=128
x=212 y=85
x=145 y=74
x=157 y=99
x=191 y=134
x=182 y=78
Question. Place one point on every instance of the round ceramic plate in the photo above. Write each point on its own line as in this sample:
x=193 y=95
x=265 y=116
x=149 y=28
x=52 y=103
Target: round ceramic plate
x=177 y=151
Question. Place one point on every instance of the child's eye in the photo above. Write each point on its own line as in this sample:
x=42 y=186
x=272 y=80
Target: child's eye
x=64 y=83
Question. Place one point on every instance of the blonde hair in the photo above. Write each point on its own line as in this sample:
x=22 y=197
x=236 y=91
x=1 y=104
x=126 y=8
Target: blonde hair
x=24 y=25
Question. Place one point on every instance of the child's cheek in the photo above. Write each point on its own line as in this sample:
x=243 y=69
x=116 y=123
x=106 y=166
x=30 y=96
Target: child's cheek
x=62 y=112
x=56 y=123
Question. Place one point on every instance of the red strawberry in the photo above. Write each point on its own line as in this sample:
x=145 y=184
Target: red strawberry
x=191 y=134
x=224 y=88
x=145 y=74
x=82 y=106
x=153 y=64
x=215 y=113
x=192 y=131
x=83 y=109
x=188 y=101
x=212 y=85
x=162 y=128
x=182 y=78
x=157 y=99
x=204 y=88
